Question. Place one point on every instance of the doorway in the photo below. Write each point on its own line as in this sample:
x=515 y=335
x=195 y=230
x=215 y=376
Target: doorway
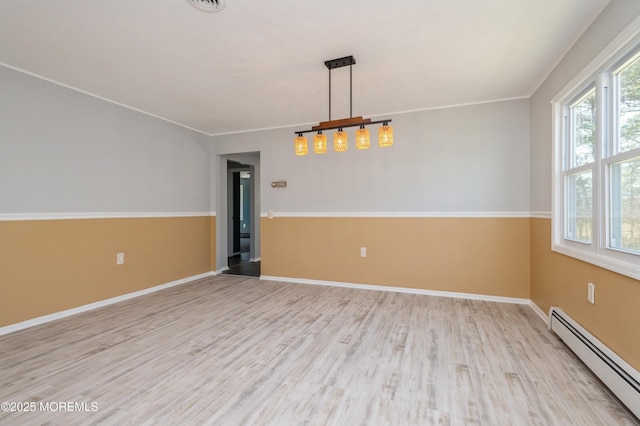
x=241 y=235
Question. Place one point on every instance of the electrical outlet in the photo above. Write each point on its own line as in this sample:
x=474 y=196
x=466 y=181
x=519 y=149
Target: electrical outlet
x=120 y=259
x=591 y=293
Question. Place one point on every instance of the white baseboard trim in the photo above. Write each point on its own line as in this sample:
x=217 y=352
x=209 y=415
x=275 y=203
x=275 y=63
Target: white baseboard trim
x=438 y=293
x=84 y=308
x=539 y=311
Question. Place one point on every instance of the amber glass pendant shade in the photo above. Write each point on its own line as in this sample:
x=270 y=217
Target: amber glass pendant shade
x=385 y=135
x=363 y=141
x=300 y=145
x=340 y=141
x=320 y=143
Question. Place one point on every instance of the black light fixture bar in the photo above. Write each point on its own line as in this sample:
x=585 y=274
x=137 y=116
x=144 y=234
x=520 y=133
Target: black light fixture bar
x=343 y=126
x=340 y=62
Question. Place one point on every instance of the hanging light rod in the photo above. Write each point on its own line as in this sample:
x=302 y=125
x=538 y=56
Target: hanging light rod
x=385 y=133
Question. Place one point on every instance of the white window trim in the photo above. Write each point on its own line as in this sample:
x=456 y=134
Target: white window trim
x=597 y=253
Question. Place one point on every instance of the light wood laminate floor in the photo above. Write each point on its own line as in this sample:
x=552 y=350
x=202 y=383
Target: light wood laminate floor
x=235 y=351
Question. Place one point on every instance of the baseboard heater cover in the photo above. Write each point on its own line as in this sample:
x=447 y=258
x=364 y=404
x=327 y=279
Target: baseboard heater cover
x=620 y=377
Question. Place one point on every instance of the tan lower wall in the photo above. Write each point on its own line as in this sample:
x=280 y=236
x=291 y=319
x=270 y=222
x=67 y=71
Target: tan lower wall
x=559 y=280
x=488 y=256
x=52 y=265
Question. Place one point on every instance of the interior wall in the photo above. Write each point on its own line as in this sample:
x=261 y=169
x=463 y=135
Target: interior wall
x=484 y=256
x=66 y=152
x=48 y=266
x=558 y=280
x=456 y=163
x=82 y=179
x=472 y=159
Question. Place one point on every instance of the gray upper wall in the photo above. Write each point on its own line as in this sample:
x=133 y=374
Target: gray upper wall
x=609 y=24
x=472 y=159
x=62 y=151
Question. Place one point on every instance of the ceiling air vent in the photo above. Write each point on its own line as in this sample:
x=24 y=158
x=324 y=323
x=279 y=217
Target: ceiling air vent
x=207 y=5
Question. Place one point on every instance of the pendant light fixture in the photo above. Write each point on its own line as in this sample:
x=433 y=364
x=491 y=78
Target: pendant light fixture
x=363 y=141
x=320 y=143
x=301 y=146
x=385 y=135
x=340 y=141
x=340 y=138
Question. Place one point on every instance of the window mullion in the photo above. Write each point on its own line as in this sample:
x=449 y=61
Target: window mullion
x=614 y=210
x=567 y=150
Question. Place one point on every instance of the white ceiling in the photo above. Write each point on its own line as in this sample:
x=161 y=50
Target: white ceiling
x=260 y=64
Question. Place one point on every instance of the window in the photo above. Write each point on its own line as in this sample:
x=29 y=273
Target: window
x=624 y=164
x=596 y=209
x=579 y=168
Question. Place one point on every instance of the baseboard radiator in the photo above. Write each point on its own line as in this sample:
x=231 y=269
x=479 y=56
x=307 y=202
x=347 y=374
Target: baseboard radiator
x=620 y=377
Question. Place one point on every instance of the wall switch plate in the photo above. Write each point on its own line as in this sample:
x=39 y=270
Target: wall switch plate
x=120 y=259
x=591 y=293
x=363 y=252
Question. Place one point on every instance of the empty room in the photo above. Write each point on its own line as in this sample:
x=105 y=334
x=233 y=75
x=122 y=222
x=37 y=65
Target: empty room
x=320 y=212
